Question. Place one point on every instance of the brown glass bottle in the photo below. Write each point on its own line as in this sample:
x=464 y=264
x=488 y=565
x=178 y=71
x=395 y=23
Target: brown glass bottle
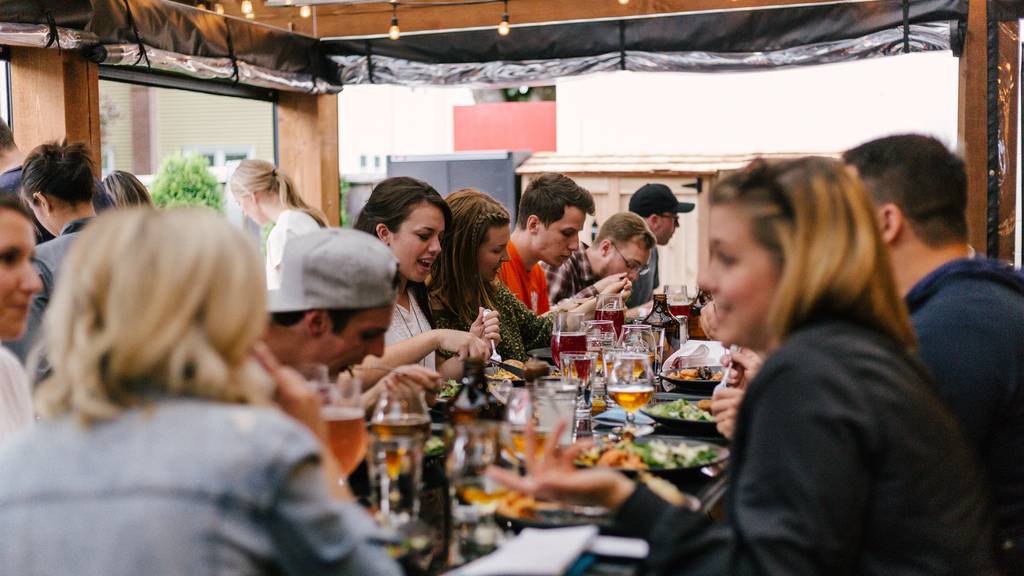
x=474 y=401
x=661 y=317
x=696 y=331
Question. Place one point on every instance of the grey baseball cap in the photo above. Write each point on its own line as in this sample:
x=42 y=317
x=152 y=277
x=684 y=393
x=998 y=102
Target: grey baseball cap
x=335 y=269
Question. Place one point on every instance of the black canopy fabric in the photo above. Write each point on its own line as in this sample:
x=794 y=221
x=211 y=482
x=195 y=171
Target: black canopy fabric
x=729 y=40
x=1004 y=10
x=164 y=35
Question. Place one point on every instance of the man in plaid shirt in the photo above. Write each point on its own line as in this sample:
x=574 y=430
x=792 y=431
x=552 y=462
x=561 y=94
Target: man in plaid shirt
x=617 y=258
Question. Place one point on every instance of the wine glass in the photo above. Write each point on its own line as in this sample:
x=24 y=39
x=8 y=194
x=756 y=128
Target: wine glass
x=567 y=335
x=578 y=372
x=399 y=428
x=640 y=338
x=611 y=307
x=631 y=386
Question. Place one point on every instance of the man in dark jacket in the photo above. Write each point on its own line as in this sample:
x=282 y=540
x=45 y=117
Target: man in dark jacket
x=968 y=311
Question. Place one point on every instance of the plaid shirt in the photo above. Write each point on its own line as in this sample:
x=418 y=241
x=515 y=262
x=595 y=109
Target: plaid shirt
x=575 y=277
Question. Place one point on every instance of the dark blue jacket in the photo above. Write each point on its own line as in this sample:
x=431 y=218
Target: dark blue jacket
x=969 y=319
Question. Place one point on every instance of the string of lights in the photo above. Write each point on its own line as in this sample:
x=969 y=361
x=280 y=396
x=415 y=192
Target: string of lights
x=394 y=31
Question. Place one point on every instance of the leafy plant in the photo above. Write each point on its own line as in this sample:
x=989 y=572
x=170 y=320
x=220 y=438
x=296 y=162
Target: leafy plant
x=186 y=181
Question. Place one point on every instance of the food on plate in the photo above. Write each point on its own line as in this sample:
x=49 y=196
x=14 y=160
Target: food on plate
x=449 y=389
x=713 y=373
x=683 y=409
x=652 y=455
x=503 y=374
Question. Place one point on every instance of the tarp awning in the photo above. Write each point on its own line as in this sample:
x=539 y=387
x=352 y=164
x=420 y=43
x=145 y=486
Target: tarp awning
x=714 y=41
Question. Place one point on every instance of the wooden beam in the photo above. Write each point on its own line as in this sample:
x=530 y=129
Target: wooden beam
x=1008 y=89
x=374 y=18
x=307 y=128
x=55 y=96
x=973 y=121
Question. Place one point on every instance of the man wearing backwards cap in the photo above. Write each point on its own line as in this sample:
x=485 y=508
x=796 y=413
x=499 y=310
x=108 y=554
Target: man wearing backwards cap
x=658 y=206
x=334 y=305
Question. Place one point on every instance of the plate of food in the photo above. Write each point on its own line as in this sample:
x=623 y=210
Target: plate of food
x=516 y=511
x=684 y=413
x=699 y=380
x=668 y=457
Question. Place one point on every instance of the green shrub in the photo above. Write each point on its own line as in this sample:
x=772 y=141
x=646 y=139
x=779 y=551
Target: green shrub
x=186 y=181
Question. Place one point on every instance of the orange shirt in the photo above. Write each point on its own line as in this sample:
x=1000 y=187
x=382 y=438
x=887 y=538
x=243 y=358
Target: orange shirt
x=530 y=287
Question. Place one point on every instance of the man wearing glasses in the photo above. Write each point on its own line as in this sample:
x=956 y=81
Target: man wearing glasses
x=617 y=259
x=658 y=206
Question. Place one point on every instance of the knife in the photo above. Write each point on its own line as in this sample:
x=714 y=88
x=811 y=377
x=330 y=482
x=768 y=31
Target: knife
x=515 y=370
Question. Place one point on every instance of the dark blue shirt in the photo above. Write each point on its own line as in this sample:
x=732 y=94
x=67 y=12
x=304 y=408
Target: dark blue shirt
x=969 y=319
x=10 y=182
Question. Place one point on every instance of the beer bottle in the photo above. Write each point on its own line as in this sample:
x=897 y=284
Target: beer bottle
x=474 y=401
x=661 y=317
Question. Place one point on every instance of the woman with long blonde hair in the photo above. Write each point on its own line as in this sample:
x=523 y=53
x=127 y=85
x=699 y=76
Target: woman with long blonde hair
x=267 y=194
x=162 y=450
x=465 y=278
x=844 y=460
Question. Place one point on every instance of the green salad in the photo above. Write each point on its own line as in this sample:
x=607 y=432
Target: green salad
x=449 y=389
x=653 y=455
x=434 y=446
x=682 y=409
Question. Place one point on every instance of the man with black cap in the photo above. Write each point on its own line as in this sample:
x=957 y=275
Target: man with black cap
x=660 y=208
x=338 y=288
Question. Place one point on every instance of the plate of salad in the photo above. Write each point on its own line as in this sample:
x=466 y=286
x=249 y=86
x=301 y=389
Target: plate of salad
x=683 y=413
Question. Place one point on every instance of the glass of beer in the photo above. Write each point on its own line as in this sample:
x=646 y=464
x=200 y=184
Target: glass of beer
x=399 y=428
x=519 y=415
x=631 y=386
x=342 y=413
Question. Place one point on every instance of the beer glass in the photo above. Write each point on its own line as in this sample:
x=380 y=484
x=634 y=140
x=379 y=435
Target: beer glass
x=399 y=428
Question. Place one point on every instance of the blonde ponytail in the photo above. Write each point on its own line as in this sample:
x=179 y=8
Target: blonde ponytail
x=260 y=178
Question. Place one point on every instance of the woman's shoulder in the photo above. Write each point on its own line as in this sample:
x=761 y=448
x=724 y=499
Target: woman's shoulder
x=297 y=220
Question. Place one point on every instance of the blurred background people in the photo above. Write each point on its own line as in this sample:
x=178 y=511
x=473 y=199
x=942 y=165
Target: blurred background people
x=551 y=215
x=844 y=459
x=466 y=277
x=660 y=208
x=18 y=282
x=411 y=218
x=57 y=183
x=968 y=311
x=267 y=195
x=126 y=190
x=161 y=451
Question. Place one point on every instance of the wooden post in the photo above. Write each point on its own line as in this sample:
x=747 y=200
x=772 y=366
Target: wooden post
x=1008 y=89
x=973 y=121
x=307 y=143
x=55 y=96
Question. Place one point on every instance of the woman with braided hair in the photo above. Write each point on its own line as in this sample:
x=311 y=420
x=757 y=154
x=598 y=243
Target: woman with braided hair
x=266 y=194
x=465 y=278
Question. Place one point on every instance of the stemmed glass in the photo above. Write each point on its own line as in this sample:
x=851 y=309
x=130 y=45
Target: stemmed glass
x=631 y=386
x=611 y=307
x=399 y=429
x=578 y=372
x=567 y=335
x=640 y=338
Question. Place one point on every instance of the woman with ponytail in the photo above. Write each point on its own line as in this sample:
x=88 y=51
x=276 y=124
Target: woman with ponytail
x=266 y=194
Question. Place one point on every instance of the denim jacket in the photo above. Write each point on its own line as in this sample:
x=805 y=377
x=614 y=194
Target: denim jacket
x=178 y=487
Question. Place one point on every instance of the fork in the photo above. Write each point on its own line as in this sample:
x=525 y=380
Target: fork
x=495 y=357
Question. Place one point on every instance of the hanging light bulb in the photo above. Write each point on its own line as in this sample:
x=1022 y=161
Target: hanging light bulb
x=305 y=11
x=623 y=2
x=287 y=2
x=503 y=28
x=201 y=6
x=394 y=32
x=218 y=8
x=251 y=16
x=246 y=7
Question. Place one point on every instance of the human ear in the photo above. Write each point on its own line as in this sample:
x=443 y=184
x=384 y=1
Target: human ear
x=891 y=222
x=383 y=233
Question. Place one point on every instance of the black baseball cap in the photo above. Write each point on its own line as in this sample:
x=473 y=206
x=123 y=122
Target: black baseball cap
x=657 y=199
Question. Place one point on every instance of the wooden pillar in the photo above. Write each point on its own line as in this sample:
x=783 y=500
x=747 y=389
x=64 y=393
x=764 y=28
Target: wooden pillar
x=55 y=96
x=973 y=121
x=1007 y=91
x=307 y=144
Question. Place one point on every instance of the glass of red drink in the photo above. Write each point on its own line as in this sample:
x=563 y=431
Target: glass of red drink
x=611 y=307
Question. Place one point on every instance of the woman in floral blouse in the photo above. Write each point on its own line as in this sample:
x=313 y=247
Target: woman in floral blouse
x=459 y=289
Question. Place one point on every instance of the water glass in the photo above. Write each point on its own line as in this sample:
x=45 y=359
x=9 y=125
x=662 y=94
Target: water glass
x=554 y=403
x=474 y=495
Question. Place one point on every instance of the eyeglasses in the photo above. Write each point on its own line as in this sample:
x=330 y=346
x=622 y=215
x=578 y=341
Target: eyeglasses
x=632 y=265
